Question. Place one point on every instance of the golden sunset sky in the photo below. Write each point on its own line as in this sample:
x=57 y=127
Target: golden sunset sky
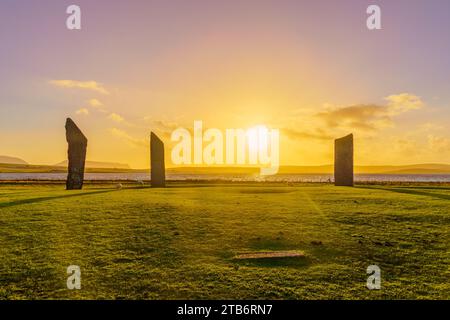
x=310 y=69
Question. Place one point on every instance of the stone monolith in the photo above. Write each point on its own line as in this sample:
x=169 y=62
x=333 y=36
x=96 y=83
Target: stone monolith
x=343 y=161
x=76 y=155
x=158 y=169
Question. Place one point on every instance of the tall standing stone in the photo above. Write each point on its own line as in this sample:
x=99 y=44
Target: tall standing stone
x=343 y=161
x=76 y=154
x=158 y=168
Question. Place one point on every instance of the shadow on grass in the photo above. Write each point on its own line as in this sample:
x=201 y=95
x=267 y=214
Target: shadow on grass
x=7 y=194
x=427 y=187
x=409 y=191
x=42 y=199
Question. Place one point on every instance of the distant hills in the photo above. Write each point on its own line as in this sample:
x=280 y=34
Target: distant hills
x=16 y=165
x=98 y=164
x=105 y=167
x=12 y=160
x=430 y=168
x=325 y=169
x=425 y=168
x=89 y=164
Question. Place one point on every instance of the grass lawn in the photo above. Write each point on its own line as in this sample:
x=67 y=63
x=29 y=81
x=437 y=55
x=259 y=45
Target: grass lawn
x=180 y=242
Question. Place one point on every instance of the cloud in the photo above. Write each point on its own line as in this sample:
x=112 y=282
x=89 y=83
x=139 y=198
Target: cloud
x=82 y=111
x=120 y=119
x=161 y=127
x=121 y=134
x=370 y=116
x=97 y=105
x=88 y=85
x=117 y=118
x=399 y=103
x=94 y=103
x=365 y=117
x=319 y=134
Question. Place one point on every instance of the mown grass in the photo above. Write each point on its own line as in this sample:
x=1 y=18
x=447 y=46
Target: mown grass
x=180 y=242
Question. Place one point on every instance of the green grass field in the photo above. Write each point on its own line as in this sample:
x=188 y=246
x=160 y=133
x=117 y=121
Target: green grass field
x=180 y=242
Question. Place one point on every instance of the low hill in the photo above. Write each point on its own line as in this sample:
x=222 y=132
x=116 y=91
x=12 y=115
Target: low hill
x=425 y=168
x=20 y=168
x=98 y=164
x=325 y=169
x=12 y=160
x=431 y=168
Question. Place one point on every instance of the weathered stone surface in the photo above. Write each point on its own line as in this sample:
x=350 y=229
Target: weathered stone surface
x=343 y=161
x=76 y=155
x=158 y=168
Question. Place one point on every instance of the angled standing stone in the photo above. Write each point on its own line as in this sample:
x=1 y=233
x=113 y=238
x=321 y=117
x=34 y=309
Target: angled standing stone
x=76 y=154
x=158 y=169
x=343 y=161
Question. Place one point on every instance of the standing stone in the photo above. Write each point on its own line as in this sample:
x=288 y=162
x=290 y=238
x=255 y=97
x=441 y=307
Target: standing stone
x=343 y=161
x=77 y=155
x=158 y=169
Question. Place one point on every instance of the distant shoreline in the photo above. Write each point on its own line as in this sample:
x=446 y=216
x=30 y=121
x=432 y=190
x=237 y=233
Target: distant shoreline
x=427 y=168
x=146 y=182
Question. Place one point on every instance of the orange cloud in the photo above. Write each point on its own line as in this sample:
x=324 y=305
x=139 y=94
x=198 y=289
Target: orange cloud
x=128 y=138
x=399 y=103
x=82 y=111
x=370 y=116
x=95 y=103
x=116 y=118
x=317 y=134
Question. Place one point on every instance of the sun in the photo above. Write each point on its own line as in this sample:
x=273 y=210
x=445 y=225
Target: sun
x=257 y=139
